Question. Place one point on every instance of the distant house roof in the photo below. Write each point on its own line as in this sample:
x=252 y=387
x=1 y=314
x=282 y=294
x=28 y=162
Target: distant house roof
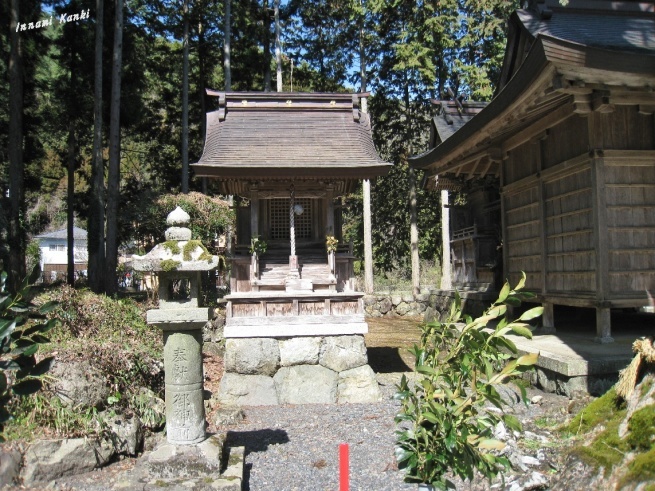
x=270 y=135
x=451 y=116
x=559 y=60
x=78 y=234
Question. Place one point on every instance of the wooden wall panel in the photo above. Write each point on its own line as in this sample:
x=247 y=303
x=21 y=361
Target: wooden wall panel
x=521 y=162
x=245 y=309
x=240 y=276
x=311 y=308
x=630 y=195
x=279 y=309
x=570 y=247
x=565 y=141
x=344 y=307
x=623 y=129
x=523 y=239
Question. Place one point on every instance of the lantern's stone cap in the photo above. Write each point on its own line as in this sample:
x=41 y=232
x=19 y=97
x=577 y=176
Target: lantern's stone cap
x=178 y=217
x=179 y=252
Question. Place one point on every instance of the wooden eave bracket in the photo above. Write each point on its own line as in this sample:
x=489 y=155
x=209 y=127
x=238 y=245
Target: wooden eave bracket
x=582 y=103
x=600 y=101
x=221 y=107
x=356 y=107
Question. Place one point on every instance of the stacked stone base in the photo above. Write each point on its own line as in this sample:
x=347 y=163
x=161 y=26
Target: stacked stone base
x=299 y=370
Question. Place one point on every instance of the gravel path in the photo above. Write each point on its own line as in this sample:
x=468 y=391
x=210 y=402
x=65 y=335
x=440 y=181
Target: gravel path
x=291 y=448
x=296 y=448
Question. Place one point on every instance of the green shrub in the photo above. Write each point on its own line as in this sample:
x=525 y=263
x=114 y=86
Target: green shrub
x=460 y=364
x=23 y=326
x=113 y=335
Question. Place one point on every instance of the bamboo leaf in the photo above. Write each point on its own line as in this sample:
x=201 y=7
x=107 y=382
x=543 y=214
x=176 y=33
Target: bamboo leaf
x=48 y=307
x=512 y=422
x=531 y=314
x=503 y=293
x=521 y=282
x=521 y=330
x=26 y=387
x=491 y=444
x=528 y=359
x=7 y=326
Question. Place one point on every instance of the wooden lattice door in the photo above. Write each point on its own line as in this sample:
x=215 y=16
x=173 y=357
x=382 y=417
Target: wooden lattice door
x=278 y=219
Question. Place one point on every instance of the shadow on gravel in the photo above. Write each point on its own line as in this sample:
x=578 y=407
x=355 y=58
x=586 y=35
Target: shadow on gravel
x=386 y=360
x=254 y=441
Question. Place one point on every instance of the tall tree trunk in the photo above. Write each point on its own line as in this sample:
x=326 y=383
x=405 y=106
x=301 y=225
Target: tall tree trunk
x=185 y=100
x=413 y=214
x=96 y=225
x=278 y=48
x=16 y=266
x=366 y=184
x=70 y=192
x=202 y=81
x=362 y=59
x=267 y=47
x=114 y=176
x=227 y=35
x=70 y=223
x=202 y=84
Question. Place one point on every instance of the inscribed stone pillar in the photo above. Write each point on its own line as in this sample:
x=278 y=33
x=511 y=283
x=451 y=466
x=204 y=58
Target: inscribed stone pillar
x=185 y=411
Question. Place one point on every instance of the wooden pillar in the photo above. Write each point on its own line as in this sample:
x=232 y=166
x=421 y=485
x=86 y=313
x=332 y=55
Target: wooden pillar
x=413 y=218
x=599 y=202
x=548 y=319
x=368 y=242
x=603 y=325
x=446 y=273
x=329 y=210
x=254 y=211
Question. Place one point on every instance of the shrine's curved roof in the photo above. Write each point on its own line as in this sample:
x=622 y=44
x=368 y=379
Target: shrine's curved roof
x=270 y=135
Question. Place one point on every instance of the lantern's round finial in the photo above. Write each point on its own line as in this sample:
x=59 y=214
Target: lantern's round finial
x=178 y=217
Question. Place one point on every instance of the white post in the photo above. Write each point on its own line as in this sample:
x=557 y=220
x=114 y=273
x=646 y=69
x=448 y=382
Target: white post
x=416 y=272
x=446 y=275
x=368 y=242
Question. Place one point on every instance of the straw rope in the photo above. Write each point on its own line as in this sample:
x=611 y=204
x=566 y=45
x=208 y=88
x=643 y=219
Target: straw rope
x=292 y=220
x=628 y=377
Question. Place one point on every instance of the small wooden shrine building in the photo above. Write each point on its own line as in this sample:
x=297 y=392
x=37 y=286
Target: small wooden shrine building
x=473 y=228
x=290 y=156
x=571 y=137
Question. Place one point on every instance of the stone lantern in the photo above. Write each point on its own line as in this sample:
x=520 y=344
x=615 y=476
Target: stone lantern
x=178 y=263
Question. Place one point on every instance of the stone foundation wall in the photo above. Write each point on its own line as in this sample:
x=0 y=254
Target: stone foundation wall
x=299 y=370
x=551 y=381
x=431 y=306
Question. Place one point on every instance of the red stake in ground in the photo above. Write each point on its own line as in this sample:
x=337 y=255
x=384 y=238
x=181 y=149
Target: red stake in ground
x=343 y=467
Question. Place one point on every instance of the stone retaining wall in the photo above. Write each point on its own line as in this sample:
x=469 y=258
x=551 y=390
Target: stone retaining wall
x=431 y=306
x=299 y=370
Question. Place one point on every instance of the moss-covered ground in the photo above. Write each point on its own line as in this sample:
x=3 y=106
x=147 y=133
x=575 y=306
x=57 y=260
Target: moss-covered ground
x=596 y=429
